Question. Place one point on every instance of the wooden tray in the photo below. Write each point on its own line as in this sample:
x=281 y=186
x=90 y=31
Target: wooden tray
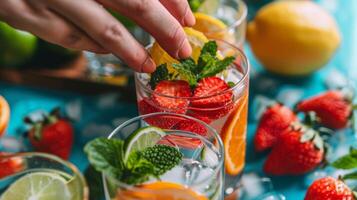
x=73 y=77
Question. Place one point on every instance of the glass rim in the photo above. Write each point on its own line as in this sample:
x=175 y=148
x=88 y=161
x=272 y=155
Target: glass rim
x=215 y=134
x=236 y=22
x=68 y=164
x=238 y=84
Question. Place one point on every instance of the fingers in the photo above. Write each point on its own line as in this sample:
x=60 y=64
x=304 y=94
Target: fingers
x=41 y=22
x=158 y=21
x=106 y=30
x=180 y=10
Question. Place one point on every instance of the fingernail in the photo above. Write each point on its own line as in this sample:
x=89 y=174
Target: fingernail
x=190 y=20
x=148 y=66
x=185 y=50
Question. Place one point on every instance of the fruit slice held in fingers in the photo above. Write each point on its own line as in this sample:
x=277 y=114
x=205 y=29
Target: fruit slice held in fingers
x=196 y=40
x=53 y=134
x=329 y=188
x=170 y=96
x=216 y=100
x=4 y=115
x=274 y=121
x=333 y=108
x=234 y=137
x=299 y=150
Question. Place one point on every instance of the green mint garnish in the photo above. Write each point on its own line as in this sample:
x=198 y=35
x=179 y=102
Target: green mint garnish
x=207 y=65
x=163 y=157
x=231 y=84
x=106 y=155
x=348 y=161
x=161 y=73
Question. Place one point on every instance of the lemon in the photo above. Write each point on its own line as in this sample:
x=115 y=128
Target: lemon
x=293 y=37
x=196 y=40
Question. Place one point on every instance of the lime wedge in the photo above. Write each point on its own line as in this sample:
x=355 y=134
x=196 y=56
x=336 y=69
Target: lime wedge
x=38 y=186
x=141 y=139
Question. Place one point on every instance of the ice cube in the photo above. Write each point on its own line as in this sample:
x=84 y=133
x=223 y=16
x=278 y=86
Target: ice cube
x=253 y=186
x=271 y=196
x=11 y=144
x=74 y=109
x=336 y=80
x=107 y=101
x=260 y=103
x=290 y=96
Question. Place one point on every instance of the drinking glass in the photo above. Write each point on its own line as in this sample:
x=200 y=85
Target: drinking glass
x=229 y=120
x=198 y=176
x=16 y=168
x=234 y=14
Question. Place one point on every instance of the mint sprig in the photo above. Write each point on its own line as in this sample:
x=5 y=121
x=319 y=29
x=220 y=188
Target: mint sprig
x=161 y=73
x=348 y=161
x=208 y=64
x=107 y=156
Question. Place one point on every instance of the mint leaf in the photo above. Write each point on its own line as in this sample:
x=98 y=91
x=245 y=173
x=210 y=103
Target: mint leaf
x=195 y=4
x=210 y=48
x=161 y=73
x=351 y=176
x=186 y=69
x=138 y=169
x=231 y=84
x=106 y=156
x=213 y=66
x=163 y=157
x=348 y=161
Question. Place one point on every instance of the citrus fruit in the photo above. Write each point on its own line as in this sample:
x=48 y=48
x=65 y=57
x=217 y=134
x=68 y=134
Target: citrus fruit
x=234 y=137
x=211 y=27
x=17 y=47
x=142 y=138
x=160 y=191
x=4 y=115
x=196 y=40
x=293 y=37
x=39 y=186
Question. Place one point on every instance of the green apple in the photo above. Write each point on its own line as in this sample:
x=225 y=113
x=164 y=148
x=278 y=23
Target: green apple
x=16 y=47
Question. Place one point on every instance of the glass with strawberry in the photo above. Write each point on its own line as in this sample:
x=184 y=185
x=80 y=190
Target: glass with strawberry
x=212 y=86
x=28 y=176
x=143 y=162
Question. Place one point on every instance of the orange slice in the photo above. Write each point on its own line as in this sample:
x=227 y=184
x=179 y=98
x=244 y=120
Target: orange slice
x=234 y=137
x=160 y=191
x=4 y=115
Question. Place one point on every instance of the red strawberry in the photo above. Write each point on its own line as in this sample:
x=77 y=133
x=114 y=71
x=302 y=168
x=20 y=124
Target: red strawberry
x=331 y=107
x=52 y=135
x=329 y=188
x=9 y=166
x=146 y=106
x=181 y=141
x=298 y=150
x=172 y=96
x=218 y=101
x=275 y=120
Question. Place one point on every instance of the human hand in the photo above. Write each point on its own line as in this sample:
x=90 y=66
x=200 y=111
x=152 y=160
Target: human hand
x=86 y=25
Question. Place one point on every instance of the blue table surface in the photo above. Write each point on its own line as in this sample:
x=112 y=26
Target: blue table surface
x=98 y=115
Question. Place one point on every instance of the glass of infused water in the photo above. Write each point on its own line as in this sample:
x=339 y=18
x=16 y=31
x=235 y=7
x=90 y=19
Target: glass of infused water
x=40 y=176
x=183 y=162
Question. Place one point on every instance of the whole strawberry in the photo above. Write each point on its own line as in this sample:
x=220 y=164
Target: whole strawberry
x=329 y=188
x=333 y=108
x=53 y=134
x=298 y=151
x=274 y=121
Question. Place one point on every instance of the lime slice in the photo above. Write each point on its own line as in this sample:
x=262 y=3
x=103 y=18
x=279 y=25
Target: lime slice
x=209 y=6
x=141 y=139
x=38 y=186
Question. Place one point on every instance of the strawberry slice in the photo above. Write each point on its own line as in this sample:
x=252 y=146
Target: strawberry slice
x=167 y=96
x=219 y=104
x=147 y=106
x=180 y=141
x=9 y=166
x=212 y=86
